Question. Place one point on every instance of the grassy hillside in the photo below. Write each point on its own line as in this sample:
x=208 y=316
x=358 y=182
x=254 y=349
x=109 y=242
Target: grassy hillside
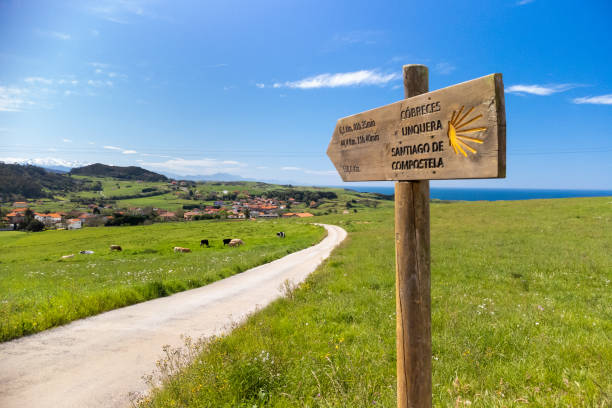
x=118 y=172
x=134 y=193
x=39 y=289
x=521 y=311
x=17 y=181
x=131 y=187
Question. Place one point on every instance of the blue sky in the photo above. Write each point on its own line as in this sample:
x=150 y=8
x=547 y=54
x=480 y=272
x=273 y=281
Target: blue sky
x=254 y=88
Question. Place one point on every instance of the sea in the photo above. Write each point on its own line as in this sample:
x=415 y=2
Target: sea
x=490 y=194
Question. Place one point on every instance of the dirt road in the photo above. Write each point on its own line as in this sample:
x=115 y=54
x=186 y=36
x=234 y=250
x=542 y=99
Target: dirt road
x=98 y=361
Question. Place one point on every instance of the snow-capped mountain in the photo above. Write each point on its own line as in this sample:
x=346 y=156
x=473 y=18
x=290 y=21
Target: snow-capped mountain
x=49 y=163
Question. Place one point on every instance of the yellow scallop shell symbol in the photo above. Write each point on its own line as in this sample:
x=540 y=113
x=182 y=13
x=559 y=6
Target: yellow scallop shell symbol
x=456 y=132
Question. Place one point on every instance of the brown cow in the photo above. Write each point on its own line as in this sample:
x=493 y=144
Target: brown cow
x=115 y=248
x=181 y=249
x=236 y=242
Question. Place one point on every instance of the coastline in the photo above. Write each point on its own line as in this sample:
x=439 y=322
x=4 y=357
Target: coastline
x=491 y=194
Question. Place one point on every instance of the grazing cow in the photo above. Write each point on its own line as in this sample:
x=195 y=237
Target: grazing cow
x=204 y=242
x=67 y=256
x=181 y=249
x=280 y=234
x=115 y=248
x=236 y=242
x=226 y=241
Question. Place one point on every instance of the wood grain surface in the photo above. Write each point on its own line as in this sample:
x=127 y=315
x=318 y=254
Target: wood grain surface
x=457 y=132
x=412 y=274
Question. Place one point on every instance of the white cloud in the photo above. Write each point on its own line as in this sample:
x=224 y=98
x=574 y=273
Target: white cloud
x=99 y=65
x=129 y=152
x=541 y=90
x=66 y=140
x=595 y=100
x=98 y=71
x=291 y=168
x=56 y=34
x=122 y=11
x=203 y=166
x=38 y=80
x=37 y=92
x=523 y=2
x=112 y=148
x=260 y=86
x=14 y=99
x=444 y=68
x=363 y=77
x=216 y=66
x=98 y=84
x=262 y=167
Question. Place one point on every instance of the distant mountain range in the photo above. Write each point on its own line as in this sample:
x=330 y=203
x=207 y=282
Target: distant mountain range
x=49 y=163
x=66 y=166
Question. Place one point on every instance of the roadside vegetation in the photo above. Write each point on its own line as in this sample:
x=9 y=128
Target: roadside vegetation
x=521 y=316
x=39 y=289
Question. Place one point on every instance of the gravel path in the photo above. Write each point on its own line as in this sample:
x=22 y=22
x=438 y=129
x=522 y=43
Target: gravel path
x=98 y=361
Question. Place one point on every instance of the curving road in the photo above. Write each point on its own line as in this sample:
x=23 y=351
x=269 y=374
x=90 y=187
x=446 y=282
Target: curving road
x=98 y=361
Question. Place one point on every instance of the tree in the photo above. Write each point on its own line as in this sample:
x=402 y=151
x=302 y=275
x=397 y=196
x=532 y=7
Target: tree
x=35 y=226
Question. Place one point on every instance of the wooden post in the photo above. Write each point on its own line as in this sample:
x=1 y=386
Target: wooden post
x=412 y=273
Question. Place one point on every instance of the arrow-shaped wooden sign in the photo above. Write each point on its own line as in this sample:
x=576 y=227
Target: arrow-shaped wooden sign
x=457 y=132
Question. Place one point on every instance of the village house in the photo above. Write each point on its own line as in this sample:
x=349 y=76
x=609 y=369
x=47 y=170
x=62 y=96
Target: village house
x=50 y=219
x=74 y=223
x=190 y=214
x=15 y=217
x=167 y=215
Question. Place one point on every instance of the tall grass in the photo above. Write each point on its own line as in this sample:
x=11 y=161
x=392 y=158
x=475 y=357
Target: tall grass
x=39 y=289
x=521 y=312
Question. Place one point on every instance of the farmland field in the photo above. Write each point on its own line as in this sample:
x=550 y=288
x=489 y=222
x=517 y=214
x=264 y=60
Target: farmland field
x=39 y=289
x=521 y=316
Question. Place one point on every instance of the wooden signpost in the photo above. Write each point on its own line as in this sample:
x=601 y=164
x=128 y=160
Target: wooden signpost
x=457 y=132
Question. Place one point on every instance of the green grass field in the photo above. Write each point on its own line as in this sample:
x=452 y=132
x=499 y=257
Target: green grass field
x=39 y=289
x=114 y=189
x=521 y=316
